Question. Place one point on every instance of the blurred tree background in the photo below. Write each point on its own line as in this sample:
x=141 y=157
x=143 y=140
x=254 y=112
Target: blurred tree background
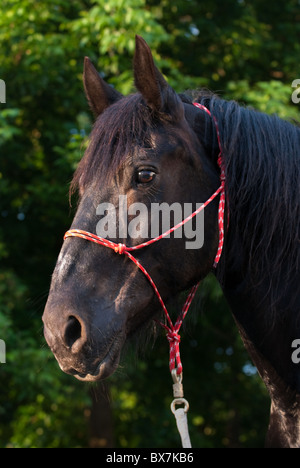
x=244 y=50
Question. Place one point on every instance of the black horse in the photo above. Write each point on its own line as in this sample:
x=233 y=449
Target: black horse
x=156 y=146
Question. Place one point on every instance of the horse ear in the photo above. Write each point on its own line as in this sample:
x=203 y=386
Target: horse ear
x=151 y=84
x=99 y=94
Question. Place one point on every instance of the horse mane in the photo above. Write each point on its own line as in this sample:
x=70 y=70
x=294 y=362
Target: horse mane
x=262 y=160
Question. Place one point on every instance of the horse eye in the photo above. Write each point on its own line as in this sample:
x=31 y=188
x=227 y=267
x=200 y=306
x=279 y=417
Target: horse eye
x=145 y=176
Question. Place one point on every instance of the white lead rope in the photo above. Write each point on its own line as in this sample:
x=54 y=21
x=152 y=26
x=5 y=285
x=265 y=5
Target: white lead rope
x=180 y=413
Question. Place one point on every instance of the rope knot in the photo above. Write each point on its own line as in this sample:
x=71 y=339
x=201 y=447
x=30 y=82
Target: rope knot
x=173 y=336
x=120 y=249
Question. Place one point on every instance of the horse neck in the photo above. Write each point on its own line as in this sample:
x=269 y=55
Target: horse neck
x=284 y=426
x=268 y=342
x=265 y=303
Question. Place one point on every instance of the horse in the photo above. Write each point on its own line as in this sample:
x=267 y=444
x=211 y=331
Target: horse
x=156 y=146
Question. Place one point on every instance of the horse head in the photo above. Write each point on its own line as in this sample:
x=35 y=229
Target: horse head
x=144 y=166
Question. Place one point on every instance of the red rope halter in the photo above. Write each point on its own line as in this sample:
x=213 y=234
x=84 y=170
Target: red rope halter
x=172 y=330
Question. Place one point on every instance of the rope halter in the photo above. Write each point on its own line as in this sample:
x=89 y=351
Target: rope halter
x=121 y=249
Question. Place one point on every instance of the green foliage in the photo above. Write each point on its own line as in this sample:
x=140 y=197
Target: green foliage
x=36 y=400
x=233 y=40
x=271 y=97
x=244 y=50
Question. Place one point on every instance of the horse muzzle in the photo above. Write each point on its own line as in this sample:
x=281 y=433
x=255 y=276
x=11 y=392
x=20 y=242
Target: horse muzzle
x=83 y=349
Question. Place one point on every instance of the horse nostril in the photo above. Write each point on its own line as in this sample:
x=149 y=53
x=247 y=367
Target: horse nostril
x=73 y=332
